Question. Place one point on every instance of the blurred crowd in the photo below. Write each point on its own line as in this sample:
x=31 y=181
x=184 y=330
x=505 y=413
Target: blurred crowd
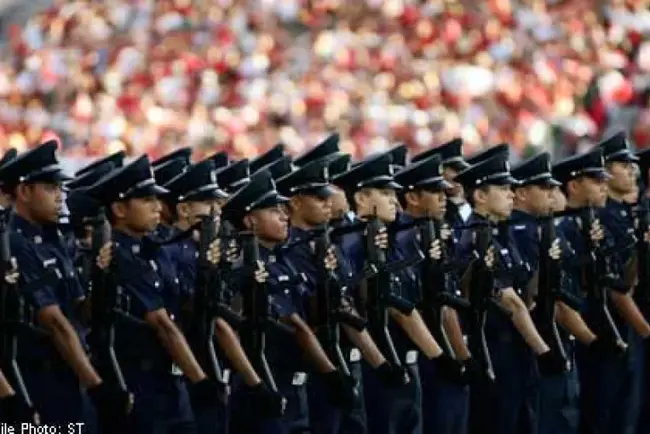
x=242 y=75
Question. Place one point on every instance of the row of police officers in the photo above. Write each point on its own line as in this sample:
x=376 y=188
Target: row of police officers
x=318 y=295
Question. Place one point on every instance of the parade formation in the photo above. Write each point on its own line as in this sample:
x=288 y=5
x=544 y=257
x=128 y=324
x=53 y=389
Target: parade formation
x=430 y=294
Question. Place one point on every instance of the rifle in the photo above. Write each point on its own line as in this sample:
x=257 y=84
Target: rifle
x=105 y=299
x=596 y=273
x=380 y=295
x=437 y=288
x=256 y=312
x=329 y=312
x=481 y=296
x=12 y=314
x=549 y=291
x=205 y=300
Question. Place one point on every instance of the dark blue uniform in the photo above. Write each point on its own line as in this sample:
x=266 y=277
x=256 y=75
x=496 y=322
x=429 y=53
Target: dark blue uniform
x=183 y=256
x=558 y=394
x=323 y=415
x=509 y=404
x=148 y=282
x=283 y=354
x=389 y=410
x=48 y=278
x=617 y=218
x=445 y=403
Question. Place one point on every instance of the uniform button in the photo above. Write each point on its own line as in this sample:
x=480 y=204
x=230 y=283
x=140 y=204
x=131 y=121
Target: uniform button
x=176 y=280
x=156 y=284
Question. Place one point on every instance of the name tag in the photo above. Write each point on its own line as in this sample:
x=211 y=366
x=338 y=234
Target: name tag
x=411 y=357
x=355 y=355
x=176 y=370
x=299 y=378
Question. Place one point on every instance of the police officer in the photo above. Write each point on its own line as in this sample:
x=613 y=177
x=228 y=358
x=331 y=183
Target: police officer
x=445 y=400
x=153 y=355
x=509 y=404
x=55 y=367
x=310 y=207
x=389 y=409
x=601 y=368
x=258 y=206
x=618 y=219
x=558 y=393
x=451 y=156
x=196 y=195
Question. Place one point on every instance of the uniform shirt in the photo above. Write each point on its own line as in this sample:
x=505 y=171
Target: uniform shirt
x=149 y=282
x=288 y=294
x=303 y=259
x=511 y=271
x=571 y=228
x=47 y=278
x=404 y=283
x=618 y=219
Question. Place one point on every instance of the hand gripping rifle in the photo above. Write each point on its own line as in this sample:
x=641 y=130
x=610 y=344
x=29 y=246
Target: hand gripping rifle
x=329 y=312
x=549 y=291
x=380 y=296
x=13 y=312
x=597 y=274
x=105 y=299
x=437 y=288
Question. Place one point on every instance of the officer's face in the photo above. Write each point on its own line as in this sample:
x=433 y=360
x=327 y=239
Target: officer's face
x=140 y=215
x=499 y=200
x=313 y=210
x=5 y=200
x=339 y=203
x=558 y=200
x=623 y=177
x=427 y=203
x=590 y=191
x=456 y=189
x=379 y=201
x=535 y=198
x=270 y=224
x=44 y=201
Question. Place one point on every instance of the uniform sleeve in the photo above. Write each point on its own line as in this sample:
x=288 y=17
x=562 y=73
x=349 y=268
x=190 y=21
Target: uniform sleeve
x=35 y=285
x=142 y=284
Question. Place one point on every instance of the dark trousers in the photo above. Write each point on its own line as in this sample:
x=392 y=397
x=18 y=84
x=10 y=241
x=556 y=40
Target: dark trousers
x=509 y=405
x=162 y=403
x=445 y=405
x=559 y=411
x=393 y=410
x=294 y=421
x=605 y=385
x=57 y=395
x=635 y=383
x=355 y=421
x=325 y=417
